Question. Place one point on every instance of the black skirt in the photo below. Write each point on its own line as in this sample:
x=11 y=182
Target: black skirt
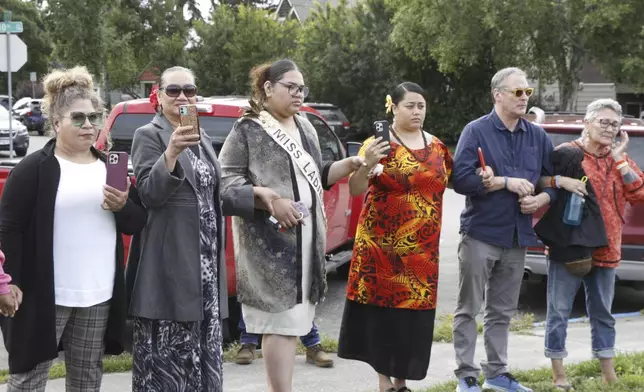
x=395 y=342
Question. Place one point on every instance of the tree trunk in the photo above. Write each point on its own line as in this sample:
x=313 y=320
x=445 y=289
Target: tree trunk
x=106 y=89
x=569 y=81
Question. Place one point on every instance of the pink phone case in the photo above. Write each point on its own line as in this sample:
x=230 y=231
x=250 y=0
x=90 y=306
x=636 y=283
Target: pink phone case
x=117 y=170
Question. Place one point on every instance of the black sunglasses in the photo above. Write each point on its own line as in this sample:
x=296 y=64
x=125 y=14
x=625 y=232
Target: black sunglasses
x=79 y=118
x=174 y=90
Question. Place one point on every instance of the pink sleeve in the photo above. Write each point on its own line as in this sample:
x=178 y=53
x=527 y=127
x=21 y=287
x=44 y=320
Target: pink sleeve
x=5 y=279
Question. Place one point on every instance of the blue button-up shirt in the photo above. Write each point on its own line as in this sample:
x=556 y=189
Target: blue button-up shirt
x=496 y=217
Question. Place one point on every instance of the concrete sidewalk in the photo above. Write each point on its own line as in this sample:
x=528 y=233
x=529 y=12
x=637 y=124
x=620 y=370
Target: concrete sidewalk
x=525 y=352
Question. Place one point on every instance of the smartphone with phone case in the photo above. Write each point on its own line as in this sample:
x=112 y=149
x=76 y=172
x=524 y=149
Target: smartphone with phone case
x=189 y=115
x=117 y=170
x=381 y=129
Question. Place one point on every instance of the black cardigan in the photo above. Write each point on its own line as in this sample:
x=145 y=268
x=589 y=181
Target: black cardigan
x=571 y=243
x=26 y=237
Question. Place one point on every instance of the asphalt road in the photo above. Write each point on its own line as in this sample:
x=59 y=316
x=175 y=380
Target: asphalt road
x=35 y=144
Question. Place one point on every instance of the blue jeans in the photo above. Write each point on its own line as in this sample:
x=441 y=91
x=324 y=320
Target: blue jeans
x=600 y=291
x=309 y=340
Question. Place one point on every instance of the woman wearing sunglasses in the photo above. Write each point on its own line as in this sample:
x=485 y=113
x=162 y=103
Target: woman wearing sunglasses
x=179 y=296
x=615 y=179
x=274 y=154
x=60 y=228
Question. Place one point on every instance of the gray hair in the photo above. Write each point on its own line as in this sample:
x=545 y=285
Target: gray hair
x=173 y=70
x=501 y=76
x=596 y=106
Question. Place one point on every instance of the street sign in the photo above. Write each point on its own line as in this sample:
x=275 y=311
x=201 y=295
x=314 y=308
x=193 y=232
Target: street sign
x=33 y=77
x=10 y=27
x=18 y=56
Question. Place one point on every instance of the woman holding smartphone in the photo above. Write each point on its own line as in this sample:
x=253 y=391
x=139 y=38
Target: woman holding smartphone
x=179 y=296
x=60 y=229
x=280 y=238
x=388 y=319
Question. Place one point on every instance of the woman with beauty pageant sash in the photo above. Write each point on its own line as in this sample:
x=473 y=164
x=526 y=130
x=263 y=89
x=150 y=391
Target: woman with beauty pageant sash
x=280 y=241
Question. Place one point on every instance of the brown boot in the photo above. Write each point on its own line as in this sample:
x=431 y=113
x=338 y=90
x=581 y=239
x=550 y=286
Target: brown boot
x=246 y=354
x=317 y=356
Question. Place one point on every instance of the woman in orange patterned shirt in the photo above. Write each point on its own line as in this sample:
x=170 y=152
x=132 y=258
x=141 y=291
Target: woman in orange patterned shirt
x=616 y=180
x=388 y=319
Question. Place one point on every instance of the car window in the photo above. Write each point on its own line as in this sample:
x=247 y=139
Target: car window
x=328 y=143
x=333 y=115
x=635 y=145
x=125 y=124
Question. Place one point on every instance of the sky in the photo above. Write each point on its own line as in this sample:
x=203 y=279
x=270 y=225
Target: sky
x=204 y=7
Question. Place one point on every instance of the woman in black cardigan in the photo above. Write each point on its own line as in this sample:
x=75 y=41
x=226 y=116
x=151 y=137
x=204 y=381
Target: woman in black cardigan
x=60 y=229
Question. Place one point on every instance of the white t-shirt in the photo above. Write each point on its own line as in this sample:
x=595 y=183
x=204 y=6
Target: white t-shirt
x=84 y=237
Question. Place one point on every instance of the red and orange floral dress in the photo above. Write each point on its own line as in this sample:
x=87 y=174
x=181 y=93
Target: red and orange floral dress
x=393 y=280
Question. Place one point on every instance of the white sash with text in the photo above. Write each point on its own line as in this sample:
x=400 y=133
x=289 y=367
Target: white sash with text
x=303 y=160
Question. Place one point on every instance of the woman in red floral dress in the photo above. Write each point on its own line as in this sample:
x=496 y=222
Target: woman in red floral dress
x=388 y=319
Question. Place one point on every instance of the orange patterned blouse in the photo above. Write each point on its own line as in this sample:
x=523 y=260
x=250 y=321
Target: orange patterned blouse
x=612 y=195
x=395 y=256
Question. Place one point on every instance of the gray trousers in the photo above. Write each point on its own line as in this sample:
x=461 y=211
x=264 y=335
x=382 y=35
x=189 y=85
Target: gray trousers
x=82 y=331
x=494 y=273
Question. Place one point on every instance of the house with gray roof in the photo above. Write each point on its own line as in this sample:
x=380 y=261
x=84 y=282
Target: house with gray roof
x=301 y=9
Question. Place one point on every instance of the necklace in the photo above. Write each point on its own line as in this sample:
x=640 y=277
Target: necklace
x=425 y=148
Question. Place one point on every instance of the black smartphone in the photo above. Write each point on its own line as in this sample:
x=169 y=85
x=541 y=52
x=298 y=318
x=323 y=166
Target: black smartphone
x=381 y=129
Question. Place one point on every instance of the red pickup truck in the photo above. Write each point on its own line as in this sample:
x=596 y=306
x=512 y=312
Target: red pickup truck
x=566 y=127
x=217 y=116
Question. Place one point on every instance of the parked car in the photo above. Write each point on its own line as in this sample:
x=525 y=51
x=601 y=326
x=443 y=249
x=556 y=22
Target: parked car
x=4 y=101
x=29 y=112
x=335 y=118
x=18 y=130
x=562 y=129
x=217 y=116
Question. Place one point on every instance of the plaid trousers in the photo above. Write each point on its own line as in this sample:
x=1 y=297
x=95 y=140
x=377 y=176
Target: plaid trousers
x=82 y=331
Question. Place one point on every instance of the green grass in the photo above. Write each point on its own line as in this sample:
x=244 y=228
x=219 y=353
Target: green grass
x=522 y=323
x=585 y=377
x=111 y=364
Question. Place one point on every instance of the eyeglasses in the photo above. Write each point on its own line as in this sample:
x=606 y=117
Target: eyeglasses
x=174 y=90
x=518 y=92
x=295 y=89
x=604 y=123
x=79 y=118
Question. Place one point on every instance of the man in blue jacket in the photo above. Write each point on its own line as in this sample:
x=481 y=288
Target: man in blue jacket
x=496 y=225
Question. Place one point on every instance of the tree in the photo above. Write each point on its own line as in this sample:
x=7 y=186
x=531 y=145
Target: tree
x=257 y=38
x=210 y=58
x=237 y=40
x=346 y=58
x=237 y=3
x=39 y=45
x=551 y=39
x=77 y=27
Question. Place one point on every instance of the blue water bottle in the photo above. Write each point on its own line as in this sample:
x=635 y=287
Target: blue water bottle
x=574 y=210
